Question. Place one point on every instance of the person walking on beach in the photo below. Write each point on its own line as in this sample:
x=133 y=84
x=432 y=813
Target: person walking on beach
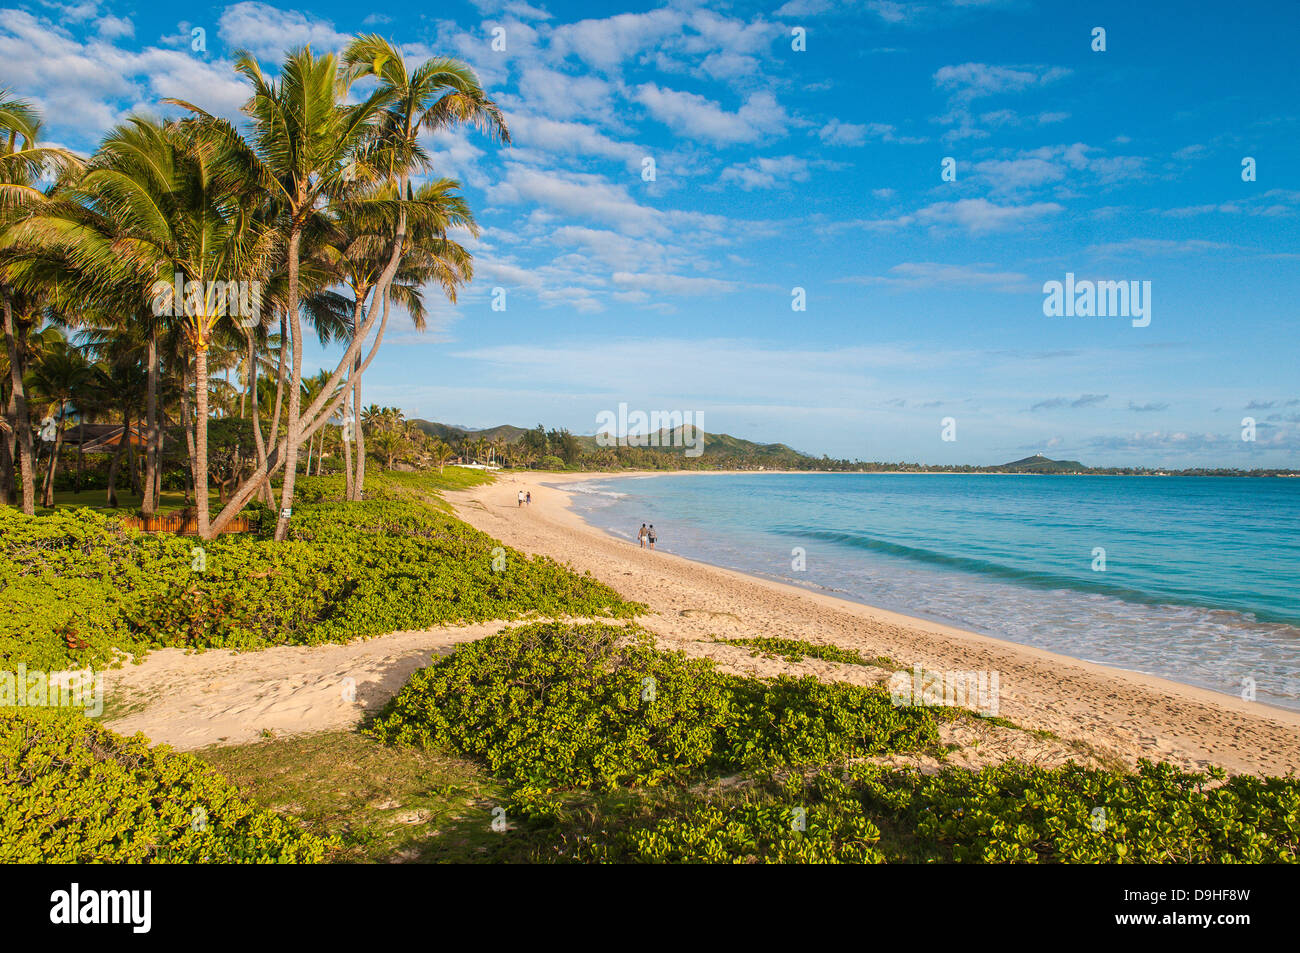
x=650 y=536
x=521 y=498
x=641 y=536
x=528 y=498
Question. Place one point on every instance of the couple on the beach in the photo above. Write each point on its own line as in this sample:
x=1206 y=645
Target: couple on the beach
x=526 y=498
x=647 y=536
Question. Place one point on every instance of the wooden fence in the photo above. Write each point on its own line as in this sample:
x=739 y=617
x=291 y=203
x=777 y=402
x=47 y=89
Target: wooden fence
x=185 y=523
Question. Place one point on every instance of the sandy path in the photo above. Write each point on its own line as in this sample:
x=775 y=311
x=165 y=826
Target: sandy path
x=1115 y=713
x=191 y=700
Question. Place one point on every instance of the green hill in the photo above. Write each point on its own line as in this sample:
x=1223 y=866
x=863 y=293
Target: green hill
x=450 y=432
x=669 y=441
x=1041 y=464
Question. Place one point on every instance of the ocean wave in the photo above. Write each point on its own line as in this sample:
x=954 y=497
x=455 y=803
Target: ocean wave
x=1041 y=579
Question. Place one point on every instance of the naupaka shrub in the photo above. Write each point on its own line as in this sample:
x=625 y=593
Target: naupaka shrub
x=73 y=792
x=1021 y=813
x=552 y=707
x=79 y=587
x=1007 y=813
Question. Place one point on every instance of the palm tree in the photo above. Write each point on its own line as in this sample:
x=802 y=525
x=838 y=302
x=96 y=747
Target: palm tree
x=308 y=146
x=440 y=453
x=22 y=165
x=438 y=94
x=157 y=206
x=60 y=374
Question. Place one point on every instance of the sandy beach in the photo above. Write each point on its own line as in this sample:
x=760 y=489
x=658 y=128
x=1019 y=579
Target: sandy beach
x=1095 y=714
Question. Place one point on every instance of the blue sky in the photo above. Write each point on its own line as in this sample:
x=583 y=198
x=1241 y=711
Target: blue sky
x=817 y=169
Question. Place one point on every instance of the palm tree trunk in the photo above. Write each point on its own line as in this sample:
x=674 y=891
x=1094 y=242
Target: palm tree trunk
x=133 y=465
x=22 y=419
x=201 y=436
x=189 y=437
x=359 y=481
x=81 y=457
x=115 y=466
x=48 y=497
x=295 y=393
x=7 y=488
x=256 y=410
x=347 y=451
x=149 y=500
x=279 y=396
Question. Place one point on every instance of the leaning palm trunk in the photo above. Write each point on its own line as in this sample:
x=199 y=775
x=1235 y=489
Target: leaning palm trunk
x=293 y=436
x=22 y=418
x=279 y=397
x=324 y=406
x=258 y=441
x=347 y=450
x=358 y=481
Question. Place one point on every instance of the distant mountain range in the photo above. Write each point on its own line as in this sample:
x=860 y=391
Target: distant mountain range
x=666 y=441
x=451 y=432
x=723 y=451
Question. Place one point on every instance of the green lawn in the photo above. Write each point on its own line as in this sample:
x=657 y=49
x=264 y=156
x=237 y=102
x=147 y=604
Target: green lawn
x=126 y=502
x=424 y=483
x=385 y=804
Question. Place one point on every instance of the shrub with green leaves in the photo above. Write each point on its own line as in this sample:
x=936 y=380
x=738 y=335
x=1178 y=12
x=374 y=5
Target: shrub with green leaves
x=796 y=650
x=551 y=707
x=823 y=825
x=73 y=792
x=79 y=587
x=1019 y=813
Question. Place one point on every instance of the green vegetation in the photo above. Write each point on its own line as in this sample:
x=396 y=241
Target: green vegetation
x=78 y=586
x=796 y=650
x=551 y=708
x=714 y=768
x=73 y=792
x=1019 y=813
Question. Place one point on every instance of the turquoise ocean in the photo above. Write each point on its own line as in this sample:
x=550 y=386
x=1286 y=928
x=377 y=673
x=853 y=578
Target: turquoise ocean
x=1199 y=580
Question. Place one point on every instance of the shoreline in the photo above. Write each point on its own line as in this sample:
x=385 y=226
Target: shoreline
x=901 y=614
x=1124 y=713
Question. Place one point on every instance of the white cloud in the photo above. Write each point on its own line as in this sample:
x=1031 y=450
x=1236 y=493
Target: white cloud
x=582 y=196
x=929 y=274
x=693 y=115
x=970 y=81
x=1155 y=247
x=980 y=215
x=268 y=32
x=572 y=138
x=767 y=173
